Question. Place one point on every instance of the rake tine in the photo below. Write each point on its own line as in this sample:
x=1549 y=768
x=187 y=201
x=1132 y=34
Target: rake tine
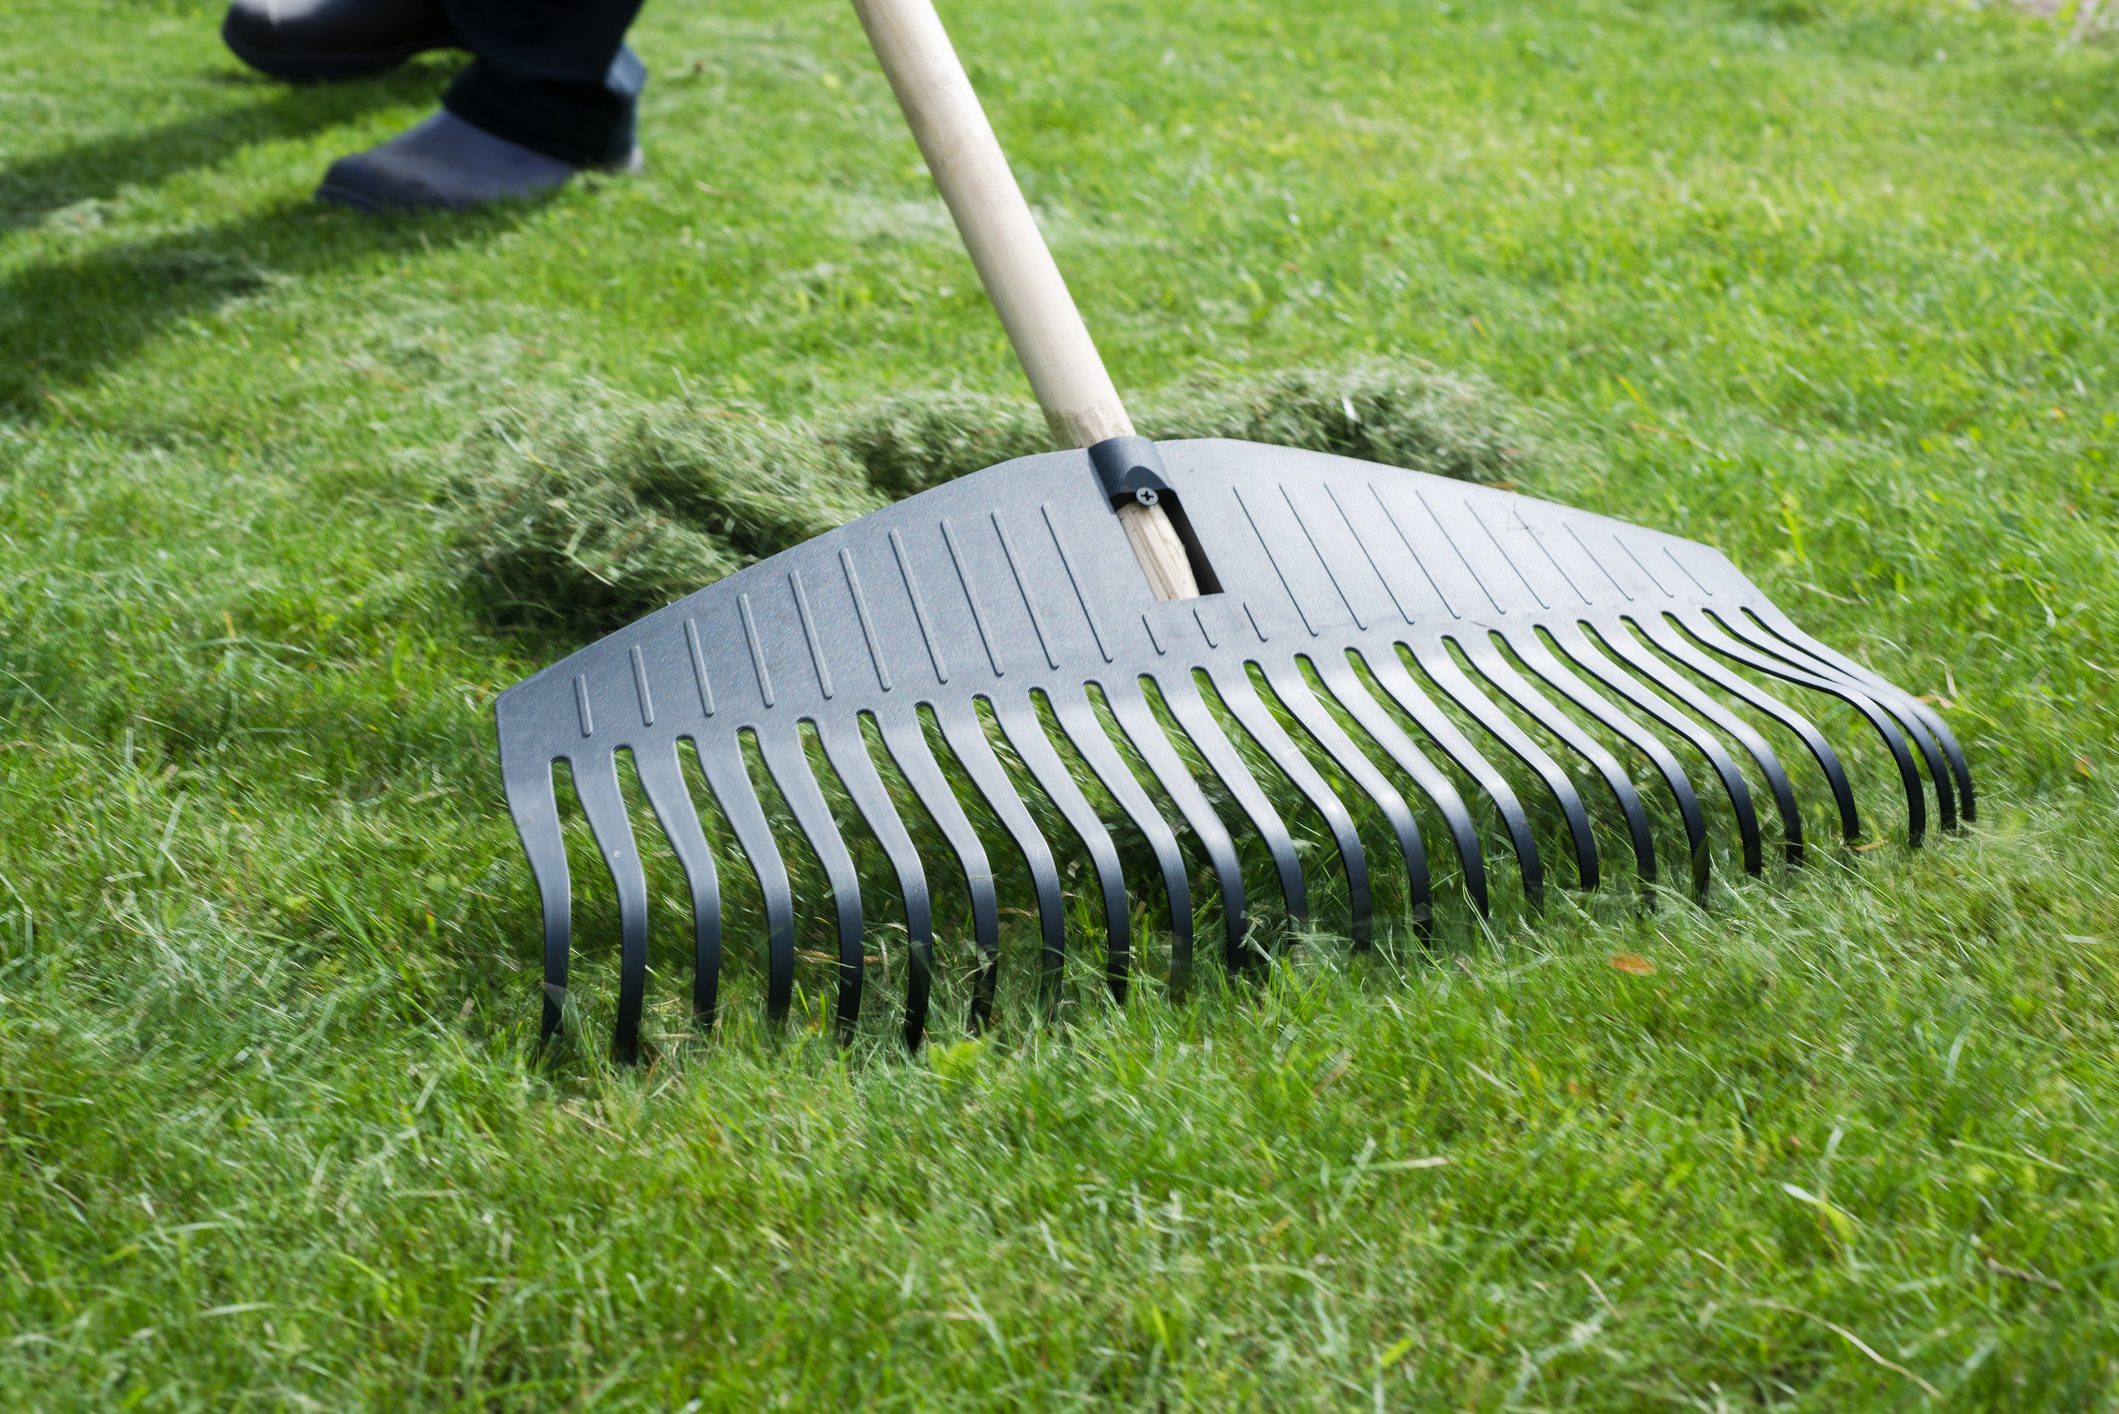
x=1250 y=711
x=1149 y=739
x=1663 y=636
x=1391 y=675
x=1578 y=648
x=662 y=781
x=1019 y=723
x=1078 y=720
x=1896 y=703
x=536 y=812
x=1925 y=726
x=848 y=754
x=908 y=747
x=1496 y=670
x=966 y=736
x=1707 y=629
x=790 y=768
x=746 y=820
x=1182 y=695
x=1547 y=665
x=1440 y=666
x=596 y=786
x=1294 y=691
x=1636 y=656
x=1351 y=693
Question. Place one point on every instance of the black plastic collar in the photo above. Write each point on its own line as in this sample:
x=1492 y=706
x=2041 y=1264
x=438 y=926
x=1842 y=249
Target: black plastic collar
x=1131 y=470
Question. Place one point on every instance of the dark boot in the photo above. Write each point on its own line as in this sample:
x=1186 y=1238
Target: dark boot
x=314 y=41
x=445 y=163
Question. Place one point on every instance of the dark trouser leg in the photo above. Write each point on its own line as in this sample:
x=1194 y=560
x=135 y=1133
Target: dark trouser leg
x=550 y=75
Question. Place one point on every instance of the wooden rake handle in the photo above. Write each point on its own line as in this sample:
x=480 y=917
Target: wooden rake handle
x=1046 y=330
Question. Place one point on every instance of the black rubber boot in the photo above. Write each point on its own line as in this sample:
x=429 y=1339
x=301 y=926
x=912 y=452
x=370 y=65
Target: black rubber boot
x=447 y=164
x=314 y=41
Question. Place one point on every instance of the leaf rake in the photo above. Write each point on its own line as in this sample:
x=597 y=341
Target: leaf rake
x=1128 y=562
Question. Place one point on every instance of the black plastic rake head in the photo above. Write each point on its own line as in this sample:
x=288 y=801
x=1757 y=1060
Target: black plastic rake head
x=1336 y=578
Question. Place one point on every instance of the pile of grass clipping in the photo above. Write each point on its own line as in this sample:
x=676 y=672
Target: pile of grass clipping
x=589 y=516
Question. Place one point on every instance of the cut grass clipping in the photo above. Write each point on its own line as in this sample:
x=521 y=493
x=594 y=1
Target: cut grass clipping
x=585 y=516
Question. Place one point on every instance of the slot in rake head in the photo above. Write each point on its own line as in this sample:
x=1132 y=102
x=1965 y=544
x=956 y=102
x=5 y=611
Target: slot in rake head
x=1018 y=580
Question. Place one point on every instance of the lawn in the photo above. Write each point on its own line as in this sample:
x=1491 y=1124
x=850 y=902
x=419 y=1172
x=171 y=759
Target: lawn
x=1834 y=287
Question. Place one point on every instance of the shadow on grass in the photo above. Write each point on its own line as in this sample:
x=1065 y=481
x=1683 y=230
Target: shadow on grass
x=32 y=190
x=63 y=323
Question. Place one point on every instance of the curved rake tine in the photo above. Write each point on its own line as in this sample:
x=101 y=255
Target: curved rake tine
x=966 y=736
x=1512 y=685
x=1395 y=680
x=1707 y=630
x=1350 y=692
x=1669 y=640
x=536 y=811
x=1563 y=679
x=596 y=786
x=1636 y=655
x=1896 y=703
x=1294 y=692
x=1577 y=647
x=1182 y=695
x=1250 y=712
x=1148 y=738
x=1078 y=720
x=1772 y=631
x=662 y=781
x=731 y=785
x=848 y=754
x=1436 y=661
x=908 y=747
x=1778 y=623
x=1019 y=723
x=789 y=765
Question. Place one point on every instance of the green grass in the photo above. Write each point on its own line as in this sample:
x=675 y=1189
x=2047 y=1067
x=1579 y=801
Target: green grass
x=1830 y=286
